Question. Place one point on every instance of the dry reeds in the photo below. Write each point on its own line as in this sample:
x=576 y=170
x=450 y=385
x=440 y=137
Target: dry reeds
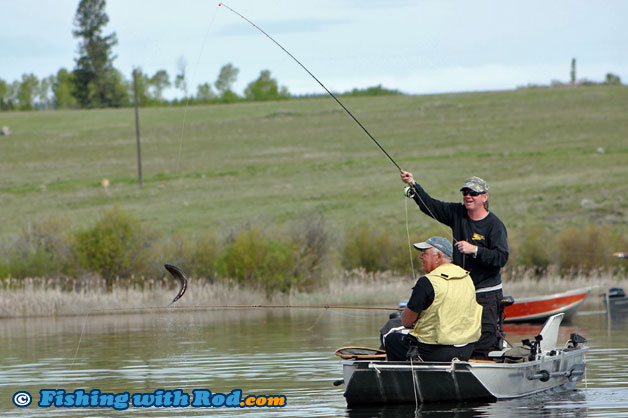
x=60 y=297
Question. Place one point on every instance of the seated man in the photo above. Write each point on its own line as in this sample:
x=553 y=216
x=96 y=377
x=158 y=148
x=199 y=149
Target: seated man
x=442 y=312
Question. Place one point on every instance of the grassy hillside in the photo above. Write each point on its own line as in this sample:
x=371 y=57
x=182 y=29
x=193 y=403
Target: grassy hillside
x=553 y=157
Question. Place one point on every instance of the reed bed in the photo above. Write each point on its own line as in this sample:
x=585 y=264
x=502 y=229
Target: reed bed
x=63 y=297
x=41 y=297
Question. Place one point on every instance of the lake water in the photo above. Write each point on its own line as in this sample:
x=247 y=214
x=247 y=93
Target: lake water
x=285 y=352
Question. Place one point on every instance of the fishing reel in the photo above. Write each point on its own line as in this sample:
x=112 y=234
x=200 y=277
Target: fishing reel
x=408 y=191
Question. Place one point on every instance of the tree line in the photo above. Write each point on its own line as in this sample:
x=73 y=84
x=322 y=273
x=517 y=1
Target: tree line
x=72 y=90
x=96 y=83
x=63 y=90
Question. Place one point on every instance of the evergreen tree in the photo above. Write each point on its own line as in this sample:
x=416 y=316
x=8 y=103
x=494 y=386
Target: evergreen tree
x=96 y=82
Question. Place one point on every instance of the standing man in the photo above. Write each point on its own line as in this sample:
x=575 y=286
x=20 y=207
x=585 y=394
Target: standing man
x=442 y=313
x=480 y=247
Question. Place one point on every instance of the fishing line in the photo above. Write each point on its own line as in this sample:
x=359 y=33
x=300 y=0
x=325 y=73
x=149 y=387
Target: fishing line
x=187 y=99
x=209 y=307
x=317 y=320
x=409 y=243
x=78 y=345
x=318 y=81
x=330 y=93
x=176 y=273
x=417 y=414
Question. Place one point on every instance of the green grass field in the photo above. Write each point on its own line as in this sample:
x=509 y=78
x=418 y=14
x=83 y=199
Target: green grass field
x=543 y=151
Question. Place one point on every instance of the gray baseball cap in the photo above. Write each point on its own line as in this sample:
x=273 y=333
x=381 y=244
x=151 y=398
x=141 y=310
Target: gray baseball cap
x=439 y=243
x=476 y=184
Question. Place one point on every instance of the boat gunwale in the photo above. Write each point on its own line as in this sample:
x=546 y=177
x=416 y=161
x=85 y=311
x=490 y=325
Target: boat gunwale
x=582 y=290
x=448 y=366
x=542 y=315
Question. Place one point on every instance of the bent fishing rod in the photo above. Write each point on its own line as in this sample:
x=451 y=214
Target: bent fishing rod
x=319 y=82
x=412 y=189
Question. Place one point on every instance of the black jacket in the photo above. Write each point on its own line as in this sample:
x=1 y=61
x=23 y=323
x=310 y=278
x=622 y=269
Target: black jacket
x=489 y=234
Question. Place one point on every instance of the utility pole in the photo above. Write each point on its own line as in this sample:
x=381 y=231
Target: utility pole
x=137 y=128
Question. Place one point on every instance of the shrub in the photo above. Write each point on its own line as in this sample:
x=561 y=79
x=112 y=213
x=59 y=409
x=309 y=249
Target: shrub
x=35 y=263
x=584 y=248
x=204 y=256
x=533 y=249
x=251 y=258
x=195 y=256
x=372 y=91
x=612 y=80
x=373 y=249
x=118 y=245
x=42 y=249
x=178 y=249
x=312 y=242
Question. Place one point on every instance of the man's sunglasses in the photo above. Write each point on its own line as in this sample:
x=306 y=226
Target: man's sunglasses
x=471 y=192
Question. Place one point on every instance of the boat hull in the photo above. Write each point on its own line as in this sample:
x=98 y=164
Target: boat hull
x=377 y=382
x=616 y=302
x=538 y=309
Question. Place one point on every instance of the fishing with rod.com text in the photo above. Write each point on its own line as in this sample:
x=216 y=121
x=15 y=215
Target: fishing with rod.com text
x=160 y=398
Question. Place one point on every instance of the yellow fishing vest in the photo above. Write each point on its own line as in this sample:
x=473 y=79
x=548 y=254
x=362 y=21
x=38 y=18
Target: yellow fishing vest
x=455 y=317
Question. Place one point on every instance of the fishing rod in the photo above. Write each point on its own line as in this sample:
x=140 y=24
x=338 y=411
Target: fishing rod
x=209 y=307
x=319 y=82
x=412 y=190
x=375 y=308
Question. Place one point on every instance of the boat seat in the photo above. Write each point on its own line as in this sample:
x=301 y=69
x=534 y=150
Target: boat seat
x=547 y=339
x=510 y=355
x=549 y=332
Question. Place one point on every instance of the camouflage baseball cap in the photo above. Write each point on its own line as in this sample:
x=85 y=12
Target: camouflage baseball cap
x=476 y=184
x=439 y=243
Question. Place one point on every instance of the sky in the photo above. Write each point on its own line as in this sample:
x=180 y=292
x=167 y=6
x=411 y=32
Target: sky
x=416 y=46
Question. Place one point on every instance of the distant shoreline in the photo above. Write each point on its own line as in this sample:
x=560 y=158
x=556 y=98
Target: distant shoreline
x=355 y=288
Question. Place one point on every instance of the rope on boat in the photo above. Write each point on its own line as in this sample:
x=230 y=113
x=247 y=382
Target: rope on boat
x=415 y=383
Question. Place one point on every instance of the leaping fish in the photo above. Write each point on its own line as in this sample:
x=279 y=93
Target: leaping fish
x=178 y=274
